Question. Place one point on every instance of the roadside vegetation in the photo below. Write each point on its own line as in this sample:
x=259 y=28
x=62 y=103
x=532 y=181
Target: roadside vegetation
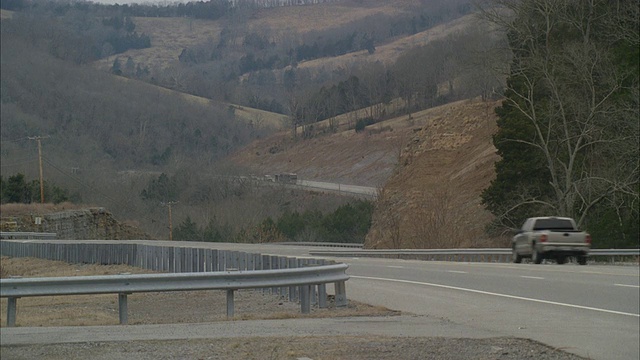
x=349 y=223
x=16 y=189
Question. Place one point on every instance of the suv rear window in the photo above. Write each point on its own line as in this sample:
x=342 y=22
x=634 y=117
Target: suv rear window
x=553 y=225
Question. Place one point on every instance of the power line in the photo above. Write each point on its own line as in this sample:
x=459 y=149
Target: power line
x=15 y=140
x=79 y=181
x=18 y=163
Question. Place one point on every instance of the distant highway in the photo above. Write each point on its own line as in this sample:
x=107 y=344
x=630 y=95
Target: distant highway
x=367 y=191
x=346 y=189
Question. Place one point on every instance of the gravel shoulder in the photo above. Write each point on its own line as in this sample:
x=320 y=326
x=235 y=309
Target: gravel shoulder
x=265 y=327
x=318 y=347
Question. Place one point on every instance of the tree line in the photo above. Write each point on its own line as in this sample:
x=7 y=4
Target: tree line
x=568 y=127
x=76 y=35
x=349 y=223
x=16 y=189
x=212 y=10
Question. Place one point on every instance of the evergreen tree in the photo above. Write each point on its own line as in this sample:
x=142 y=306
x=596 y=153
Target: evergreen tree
x=187 y=231
x=16 y=190
x=116 y=67
x=162 y=189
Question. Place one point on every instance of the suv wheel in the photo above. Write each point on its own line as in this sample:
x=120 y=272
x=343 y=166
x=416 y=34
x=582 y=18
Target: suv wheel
x=582 y=260
x=515 y=257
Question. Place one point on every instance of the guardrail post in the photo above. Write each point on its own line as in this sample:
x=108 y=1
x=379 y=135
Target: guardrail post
x=122 y=308
x=305 y=299
x=12 y=303
x=275 y=264
x=266 y=265
x=292 y=263
x=322 y=296
x=229 y=303
x=282 y=291
x=313 y=294
x=341 y=293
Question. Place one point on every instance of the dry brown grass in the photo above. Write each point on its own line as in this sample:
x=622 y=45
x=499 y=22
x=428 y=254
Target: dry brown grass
x=389 y=53
x=257 y=116
x=7 y=210
x=305 y=19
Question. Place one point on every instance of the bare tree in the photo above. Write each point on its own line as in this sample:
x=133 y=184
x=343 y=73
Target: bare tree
x=582 y=105
x=439 y=223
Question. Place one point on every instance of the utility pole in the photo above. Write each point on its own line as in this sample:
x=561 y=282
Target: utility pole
x=168 y=205
x=38 y=138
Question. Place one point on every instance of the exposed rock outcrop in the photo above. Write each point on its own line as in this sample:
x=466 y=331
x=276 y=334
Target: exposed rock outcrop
x=94 y=223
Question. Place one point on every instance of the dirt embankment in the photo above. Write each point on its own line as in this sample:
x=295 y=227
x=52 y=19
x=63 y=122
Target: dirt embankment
x=432 y=200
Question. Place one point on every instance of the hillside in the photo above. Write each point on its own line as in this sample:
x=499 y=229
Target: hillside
x=171 y=35
x=109 y=137
x=431 y=168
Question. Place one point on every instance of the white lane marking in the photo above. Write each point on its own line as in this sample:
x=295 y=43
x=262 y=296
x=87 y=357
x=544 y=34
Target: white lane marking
x=532 y=277
x=625 y=285
x=395 y=266
x=457 y=271
x=500 y=295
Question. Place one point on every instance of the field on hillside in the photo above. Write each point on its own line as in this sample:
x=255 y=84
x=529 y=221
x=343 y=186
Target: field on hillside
x=259 y=118
x=389 y=52
x=169 y=36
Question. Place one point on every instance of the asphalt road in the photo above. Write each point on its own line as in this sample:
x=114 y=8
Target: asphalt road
x=592 y=311
x=368 y=191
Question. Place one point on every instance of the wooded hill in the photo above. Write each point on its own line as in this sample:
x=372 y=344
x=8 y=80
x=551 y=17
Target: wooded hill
x=129 y=97
x=109 y=132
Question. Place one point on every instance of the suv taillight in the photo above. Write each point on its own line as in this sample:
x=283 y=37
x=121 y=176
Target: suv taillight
x=587 y=239
x=543 y=238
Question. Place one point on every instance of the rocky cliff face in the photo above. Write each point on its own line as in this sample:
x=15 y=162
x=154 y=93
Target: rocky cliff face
x=433 y=198
x=93 y=223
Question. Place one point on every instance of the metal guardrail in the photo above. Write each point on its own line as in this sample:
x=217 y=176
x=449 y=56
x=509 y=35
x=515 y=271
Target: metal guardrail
x=27 y=235
x=319 y=243
x=126 y=284
x=182 y=261
x=614 y=252
x=468 y=255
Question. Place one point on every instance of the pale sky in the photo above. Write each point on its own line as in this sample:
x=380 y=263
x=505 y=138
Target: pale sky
x=122 y=2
